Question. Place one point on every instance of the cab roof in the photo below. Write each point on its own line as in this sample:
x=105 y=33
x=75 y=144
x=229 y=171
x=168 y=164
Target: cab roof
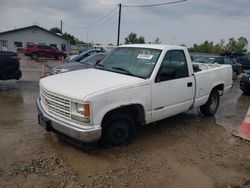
x=155 y=46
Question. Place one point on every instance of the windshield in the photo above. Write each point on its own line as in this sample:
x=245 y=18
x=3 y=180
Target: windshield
x=205 y=59
x=138 y=62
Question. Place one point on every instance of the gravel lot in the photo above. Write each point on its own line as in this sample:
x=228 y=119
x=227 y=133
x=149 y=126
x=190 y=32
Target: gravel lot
x=187 y=150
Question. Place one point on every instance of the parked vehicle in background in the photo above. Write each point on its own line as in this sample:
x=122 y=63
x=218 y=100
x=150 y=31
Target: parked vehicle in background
x=35 y=51
x=9 y=66
x=69 y=58
x=83 y=55
x=134 y=85
x=244 y=61
x=233 y=55
x=86 y=63
x=237 y=68
x=245 y=82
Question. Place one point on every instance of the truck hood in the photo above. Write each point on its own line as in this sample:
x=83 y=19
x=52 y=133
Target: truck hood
x=73 y=66
x=82 y=83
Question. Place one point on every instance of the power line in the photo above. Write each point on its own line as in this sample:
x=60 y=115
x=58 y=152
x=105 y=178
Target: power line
x=153 y=5
x=94 y=23
x=100 y=23
x=140 y=6
x=103 y=21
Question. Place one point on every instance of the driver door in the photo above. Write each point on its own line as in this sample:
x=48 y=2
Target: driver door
x=173 y=93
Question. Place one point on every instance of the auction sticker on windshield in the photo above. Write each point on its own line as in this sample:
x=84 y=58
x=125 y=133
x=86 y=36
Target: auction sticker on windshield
x=145 y=56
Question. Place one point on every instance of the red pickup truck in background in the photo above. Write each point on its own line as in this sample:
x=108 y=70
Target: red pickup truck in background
x=35 y=51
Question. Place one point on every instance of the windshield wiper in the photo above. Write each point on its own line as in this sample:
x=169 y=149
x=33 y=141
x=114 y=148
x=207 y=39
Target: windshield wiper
x=124 y=70
x=100 y=66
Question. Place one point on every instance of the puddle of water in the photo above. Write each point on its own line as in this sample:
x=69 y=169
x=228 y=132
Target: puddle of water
x=232 y=110
x=189 y=177
x=11 y=106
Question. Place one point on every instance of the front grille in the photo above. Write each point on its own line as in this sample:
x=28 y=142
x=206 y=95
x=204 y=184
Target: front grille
x=55 y=104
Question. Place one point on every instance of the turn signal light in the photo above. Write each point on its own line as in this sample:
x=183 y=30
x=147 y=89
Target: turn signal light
x=86 y=111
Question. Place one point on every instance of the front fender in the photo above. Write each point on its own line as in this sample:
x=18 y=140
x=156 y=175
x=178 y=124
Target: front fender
x=106 y=103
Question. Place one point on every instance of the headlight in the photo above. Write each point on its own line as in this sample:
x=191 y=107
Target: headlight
x=81 y=112
x=80 y=108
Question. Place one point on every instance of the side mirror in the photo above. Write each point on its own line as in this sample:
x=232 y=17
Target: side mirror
x=97 y=61
x=166 y=74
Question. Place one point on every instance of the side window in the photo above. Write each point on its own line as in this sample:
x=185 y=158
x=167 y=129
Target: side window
x=29 y=44
x=228 y=61
x=48 y=48
x=41 y=47
x=54 y=46
x=219 y=60
x=175 y=61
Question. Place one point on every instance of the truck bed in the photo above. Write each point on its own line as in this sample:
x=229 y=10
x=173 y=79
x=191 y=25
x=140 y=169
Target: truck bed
x=209 y=75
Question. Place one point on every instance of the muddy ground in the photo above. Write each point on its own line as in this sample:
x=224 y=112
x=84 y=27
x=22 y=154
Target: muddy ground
x=187 y=150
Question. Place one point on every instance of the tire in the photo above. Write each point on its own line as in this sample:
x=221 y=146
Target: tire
x=211 y=106
x=59 y=56
x=235 y=75
x=34 y=56
x=118 y=130
x=246 y=92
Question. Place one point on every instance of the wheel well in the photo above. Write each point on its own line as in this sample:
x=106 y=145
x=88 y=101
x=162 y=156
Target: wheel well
x=220 y=88
x=35 y=53
x=135 y=110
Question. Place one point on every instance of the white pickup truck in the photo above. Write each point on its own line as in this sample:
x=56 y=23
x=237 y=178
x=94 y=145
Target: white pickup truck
x=134 y=85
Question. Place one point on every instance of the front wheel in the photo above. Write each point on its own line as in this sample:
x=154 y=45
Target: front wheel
x=211 y=106
x=34 y=56
x=59 y=56
x=118 y=130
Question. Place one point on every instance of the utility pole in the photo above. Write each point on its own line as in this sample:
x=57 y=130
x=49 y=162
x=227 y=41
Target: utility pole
x=87 y=37
x=149 y=5
x=61 y=27
x=119 y=24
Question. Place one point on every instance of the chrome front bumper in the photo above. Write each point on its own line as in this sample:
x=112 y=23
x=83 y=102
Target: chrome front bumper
x=55 y=125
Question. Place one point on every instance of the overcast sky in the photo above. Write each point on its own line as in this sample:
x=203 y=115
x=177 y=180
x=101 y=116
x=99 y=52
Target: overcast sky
x=186 y=23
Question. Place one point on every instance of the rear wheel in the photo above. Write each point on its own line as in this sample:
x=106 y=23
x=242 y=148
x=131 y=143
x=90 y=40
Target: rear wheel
x=34 y=56
x=118 y=130
x=211 y=106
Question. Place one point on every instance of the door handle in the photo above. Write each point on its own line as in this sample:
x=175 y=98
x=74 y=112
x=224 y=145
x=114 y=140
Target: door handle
x=189 y=84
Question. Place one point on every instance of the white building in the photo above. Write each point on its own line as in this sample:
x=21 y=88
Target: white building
x=12 y=40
